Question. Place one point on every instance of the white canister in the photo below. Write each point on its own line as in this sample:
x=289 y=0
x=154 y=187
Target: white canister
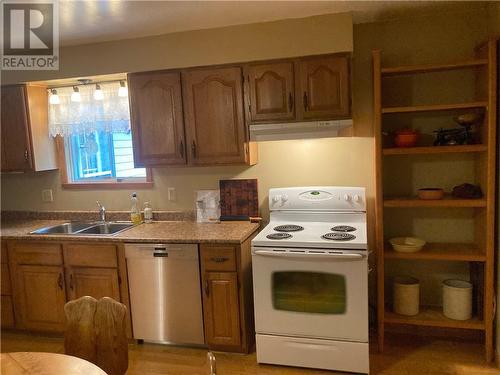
x=406 y=295
x=457 y=299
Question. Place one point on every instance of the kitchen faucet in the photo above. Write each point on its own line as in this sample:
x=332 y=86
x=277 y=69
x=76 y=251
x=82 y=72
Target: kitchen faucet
x=102 y=212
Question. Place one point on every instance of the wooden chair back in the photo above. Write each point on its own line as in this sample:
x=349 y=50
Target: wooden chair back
x=96 y=331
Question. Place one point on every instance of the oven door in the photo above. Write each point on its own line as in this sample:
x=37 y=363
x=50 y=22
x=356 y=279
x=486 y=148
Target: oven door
x=311 y=293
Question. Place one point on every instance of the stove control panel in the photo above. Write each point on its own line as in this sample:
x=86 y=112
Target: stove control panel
x=318 y=198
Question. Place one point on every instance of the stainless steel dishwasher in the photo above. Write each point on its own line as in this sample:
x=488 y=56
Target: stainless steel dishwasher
x=165 y=293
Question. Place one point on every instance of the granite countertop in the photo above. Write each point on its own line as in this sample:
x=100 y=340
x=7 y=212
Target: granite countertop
x=158 y=231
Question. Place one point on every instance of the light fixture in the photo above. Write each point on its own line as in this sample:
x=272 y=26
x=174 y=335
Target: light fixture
x=98 y=94
x=122 y=91
x=54 y=98
x=75 y=95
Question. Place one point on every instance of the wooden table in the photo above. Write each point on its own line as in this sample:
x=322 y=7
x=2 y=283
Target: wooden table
x=46 y=364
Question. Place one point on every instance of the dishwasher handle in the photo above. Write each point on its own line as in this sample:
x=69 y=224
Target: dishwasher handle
x=160 y=252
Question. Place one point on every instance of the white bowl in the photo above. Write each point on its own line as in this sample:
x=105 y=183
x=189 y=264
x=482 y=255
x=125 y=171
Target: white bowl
x=407 y=244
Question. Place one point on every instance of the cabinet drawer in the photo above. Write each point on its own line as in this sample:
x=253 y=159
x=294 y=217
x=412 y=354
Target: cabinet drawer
x=218 y=258
x=94 y=255
x=7 y=311
x=42 y=253
x=5 y=287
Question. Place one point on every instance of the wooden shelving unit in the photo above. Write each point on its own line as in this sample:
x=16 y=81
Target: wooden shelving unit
x=434 y=150
x=434 y=108
x=479 y=252
x=447 y=201
x=414 y=69
x=461 y=252
x=431 y=316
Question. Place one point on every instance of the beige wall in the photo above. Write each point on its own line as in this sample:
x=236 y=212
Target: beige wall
x=286 y=38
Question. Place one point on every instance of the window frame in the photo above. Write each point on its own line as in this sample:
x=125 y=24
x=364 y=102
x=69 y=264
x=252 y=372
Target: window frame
x=68 y=184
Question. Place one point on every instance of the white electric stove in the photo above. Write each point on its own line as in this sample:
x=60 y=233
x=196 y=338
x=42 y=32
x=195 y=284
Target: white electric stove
x=310 y=275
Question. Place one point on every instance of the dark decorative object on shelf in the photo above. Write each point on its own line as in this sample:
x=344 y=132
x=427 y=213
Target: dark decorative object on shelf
x=459 y=136
x=467 y=191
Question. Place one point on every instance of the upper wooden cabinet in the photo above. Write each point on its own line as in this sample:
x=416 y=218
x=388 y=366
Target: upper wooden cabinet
x=26 y=145
x=323 y=87
x=303 y=89
x=156 y=118
x=213 y=108
x=271 y=92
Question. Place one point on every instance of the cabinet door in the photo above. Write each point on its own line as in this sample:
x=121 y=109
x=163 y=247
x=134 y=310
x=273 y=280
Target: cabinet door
x=40 y=297
x=213 y=106
x=156 y=118
x=94 y=282
x=323 y=87
x=270 y=92
x=16 y=150
x=221 y=309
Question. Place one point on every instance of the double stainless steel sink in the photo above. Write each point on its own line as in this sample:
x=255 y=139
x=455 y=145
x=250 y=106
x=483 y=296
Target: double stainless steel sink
x=86 y=228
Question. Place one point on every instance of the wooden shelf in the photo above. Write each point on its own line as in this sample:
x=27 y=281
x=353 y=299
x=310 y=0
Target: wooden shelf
x=448 y=201
x=466 y=252
x=432 y=317
x=436 y=107
x=414 y=69
x=433 y=150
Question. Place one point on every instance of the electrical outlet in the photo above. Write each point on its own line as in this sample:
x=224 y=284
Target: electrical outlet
x=171 y=194
x=47 y=195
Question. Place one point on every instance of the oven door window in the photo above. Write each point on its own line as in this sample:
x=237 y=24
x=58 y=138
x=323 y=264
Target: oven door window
x=309 y=292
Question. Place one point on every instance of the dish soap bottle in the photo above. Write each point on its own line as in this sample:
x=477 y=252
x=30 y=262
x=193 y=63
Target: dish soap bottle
x=135 y=214
x=148 y=213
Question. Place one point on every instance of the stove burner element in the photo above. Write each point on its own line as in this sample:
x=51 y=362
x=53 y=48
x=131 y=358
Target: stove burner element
x=343 y=228
x=288 y=228
x=338 y=236
x=278 y=236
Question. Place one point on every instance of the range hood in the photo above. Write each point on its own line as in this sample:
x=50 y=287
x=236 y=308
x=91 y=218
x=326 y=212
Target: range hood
x=298 y=130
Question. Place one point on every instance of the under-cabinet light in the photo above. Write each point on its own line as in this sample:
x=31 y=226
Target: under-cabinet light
x=75 y=95
x=54 y=98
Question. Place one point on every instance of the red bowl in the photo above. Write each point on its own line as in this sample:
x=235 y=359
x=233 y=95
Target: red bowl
x=405 y=138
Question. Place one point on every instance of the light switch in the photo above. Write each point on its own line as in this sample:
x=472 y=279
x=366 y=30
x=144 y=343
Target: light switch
x=172 y=195
x=47 y=195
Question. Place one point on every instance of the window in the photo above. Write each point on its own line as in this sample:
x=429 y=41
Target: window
x=94 y=136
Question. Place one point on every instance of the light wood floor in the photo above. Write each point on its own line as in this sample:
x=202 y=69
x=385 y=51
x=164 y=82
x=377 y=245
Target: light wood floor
x=403 y=356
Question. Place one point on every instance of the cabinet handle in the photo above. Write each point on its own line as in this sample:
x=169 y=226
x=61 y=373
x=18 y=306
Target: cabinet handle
x=182 y=148
x=290 y=102
x=306 y=105
x=71 y=281
x=207 y=289
x=219 y=259
x=26 y=155
x=60 y=281
x=193 y=149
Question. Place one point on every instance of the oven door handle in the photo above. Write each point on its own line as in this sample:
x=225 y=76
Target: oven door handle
x=284 y=254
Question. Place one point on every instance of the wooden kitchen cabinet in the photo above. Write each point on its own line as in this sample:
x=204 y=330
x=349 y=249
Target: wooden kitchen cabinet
x=213 y=112
x=323 y=87
x=221 y=313
x=270 y=91
x=156 y=118
x=26 y=145
x=40 y=297
x=227 y=296
x=7 y=309
x=46 y=274
x=94 y=282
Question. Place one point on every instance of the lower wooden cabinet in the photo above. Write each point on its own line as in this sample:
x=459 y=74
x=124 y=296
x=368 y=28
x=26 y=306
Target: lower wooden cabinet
x=7 y=311
x=221 y=313
x=40 y=294
x=95 y=282
x=226 y=275
x=46 y=274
